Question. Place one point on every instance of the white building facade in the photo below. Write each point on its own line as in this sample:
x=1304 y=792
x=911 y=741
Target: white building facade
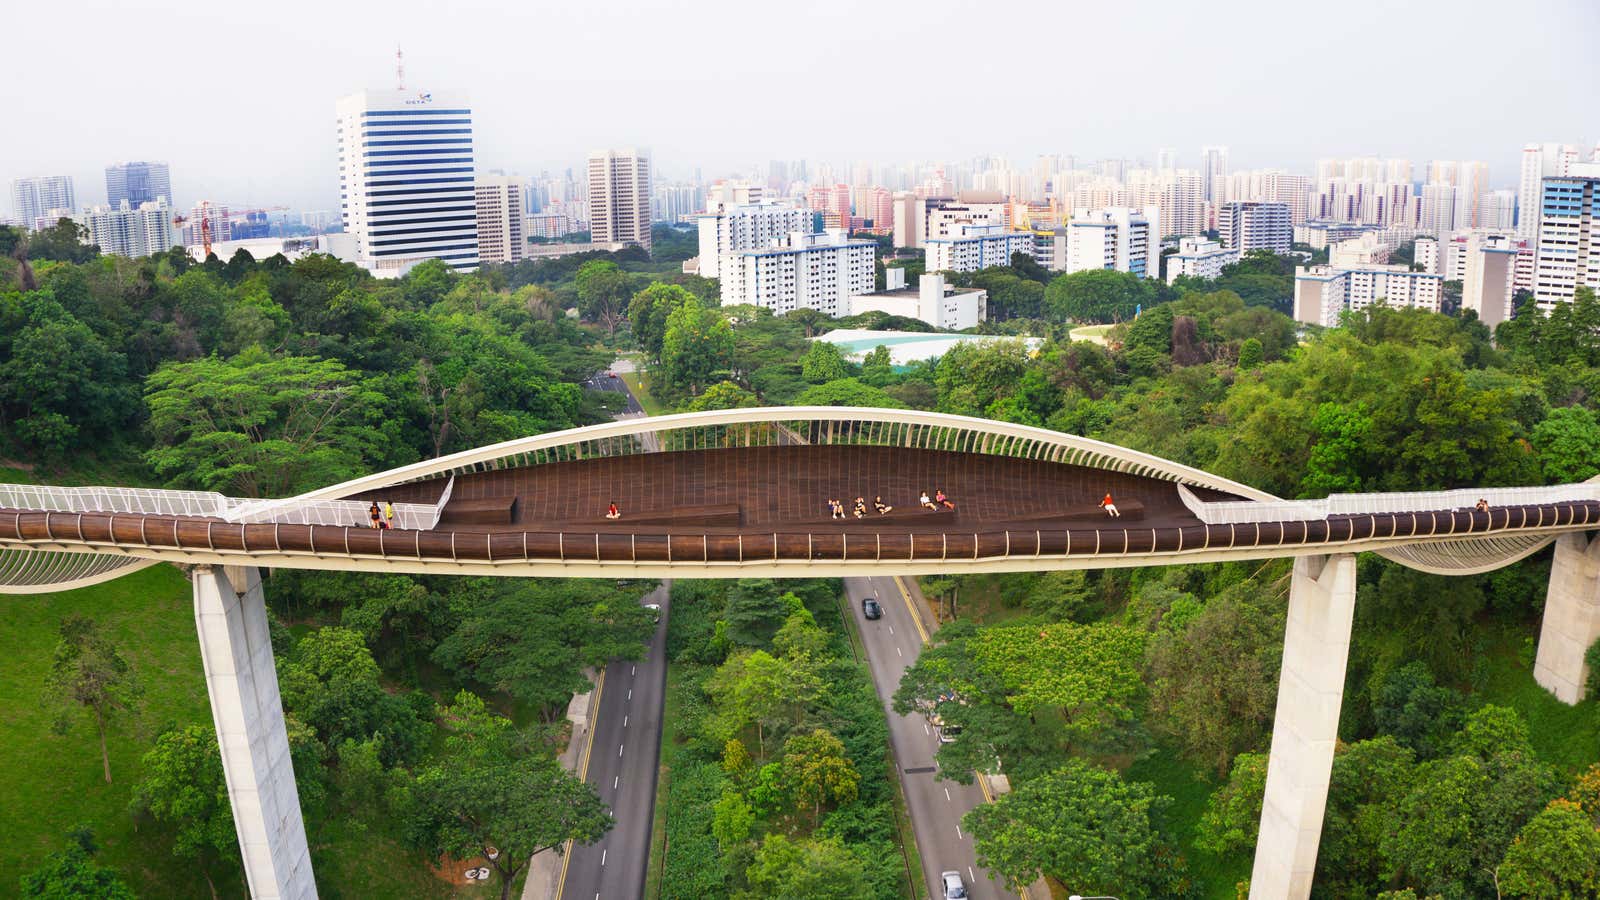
x=932 y=301
x=1255 y=226
x=1569 y=236
x=498 y=201
x=1323 y=293
x=1539 y=161
x=1118 y=238
x=819 y=271
x=969 y=248
x=124 y=231
x=406 y=183
x=619 y=197
x=36 y=199
x=729 y=228
x=1199 y=258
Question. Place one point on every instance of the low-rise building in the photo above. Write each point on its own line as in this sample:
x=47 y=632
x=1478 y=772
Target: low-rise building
x=1367 y=250
x=933 y=301
x=1199 y=258
x=1319 y=233
x=1323 y=293
x=970 y=247
x=820 y=271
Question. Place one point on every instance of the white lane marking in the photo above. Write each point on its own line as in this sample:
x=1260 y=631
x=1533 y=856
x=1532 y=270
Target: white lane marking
x=624 y=721
x=633 y=670
x=970 y=875
x=614 y=780
x=925 y=728
x=958 y=832
x=947 y=796
x=630 y=693
x=891 y=630
x=898 y=653
x=602 y=857
x=619 y=749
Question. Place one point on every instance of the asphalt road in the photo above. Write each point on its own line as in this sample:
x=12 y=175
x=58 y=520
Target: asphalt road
x=893 y=644
x=622 y=764
x=609 y=381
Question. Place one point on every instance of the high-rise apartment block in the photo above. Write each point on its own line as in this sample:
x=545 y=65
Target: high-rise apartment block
x=406 y=183
x=731 y=228
x=1569 y=235
x=501 y=218
x=969 y=248
x=1199 y=258
x=125 y=231
x=818 y=271
x=36 y=199
x=138 y=182
x=1118 y=238
x=1539 y=161
x=916 y=219
x=1323 y=293
x=1255 y=226
x=1213 y=169
x=619 y=197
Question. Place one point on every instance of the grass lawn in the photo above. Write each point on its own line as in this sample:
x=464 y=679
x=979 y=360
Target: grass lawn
x=1189 y=787
x=1094 y=334
x=670 y=717
x=51 y=782
x=1567 y=737
x=639 y=383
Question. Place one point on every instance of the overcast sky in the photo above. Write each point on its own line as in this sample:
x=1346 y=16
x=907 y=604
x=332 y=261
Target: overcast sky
x=238 y=96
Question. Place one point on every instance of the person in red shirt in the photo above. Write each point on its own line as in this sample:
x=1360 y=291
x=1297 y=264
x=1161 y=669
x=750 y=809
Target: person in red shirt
x=612 y=512
x=1109 y=507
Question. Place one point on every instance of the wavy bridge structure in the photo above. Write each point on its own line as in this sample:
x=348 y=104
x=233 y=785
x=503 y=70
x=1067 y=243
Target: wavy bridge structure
x=745 y=493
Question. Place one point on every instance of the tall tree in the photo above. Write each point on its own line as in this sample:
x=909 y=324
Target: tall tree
x=1085 y=827
x=800 y=870
x=72 y=874
x=491 y=790
x=817 y=770
x=1557 y=854
x=184 y=789
x=698 y=344
x=89 y=673
x=603 y=293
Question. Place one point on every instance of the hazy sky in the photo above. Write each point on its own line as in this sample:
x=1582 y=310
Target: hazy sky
x=238 y=96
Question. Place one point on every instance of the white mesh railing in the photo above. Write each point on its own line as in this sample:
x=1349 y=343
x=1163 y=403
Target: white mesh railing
x=156 y=502
x=1246 y=511
x=145 y=501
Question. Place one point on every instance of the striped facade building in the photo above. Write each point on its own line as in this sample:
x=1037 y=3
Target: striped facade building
x=406 y=179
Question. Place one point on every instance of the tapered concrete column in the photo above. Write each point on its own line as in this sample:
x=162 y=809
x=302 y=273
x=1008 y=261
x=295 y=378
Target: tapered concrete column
x=230 y=612
x=1571 y=617
x=1316 y=646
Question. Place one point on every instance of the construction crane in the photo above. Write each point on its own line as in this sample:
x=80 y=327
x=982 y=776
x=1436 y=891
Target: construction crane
x=205 y=226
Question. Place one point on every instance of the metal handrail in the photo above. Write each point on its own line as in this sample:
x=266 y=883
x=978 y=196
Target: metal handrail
x=1243 y=512
x=208 y=504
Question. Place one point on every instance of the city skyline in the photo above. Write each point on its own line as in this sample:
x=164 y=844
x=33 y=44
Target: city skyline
x=540 y=104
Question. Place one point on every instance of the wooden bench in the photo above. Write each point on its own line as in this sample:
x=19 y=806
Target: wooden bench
x=487 y=511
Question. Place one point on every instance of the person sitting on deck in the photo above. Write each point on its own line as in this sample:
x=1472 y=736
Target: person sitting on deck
x=376 y=515
x=861 y=507
x=878 y=504
x=612 y=512
x=1109 y=507
x=1482 y=505
x=837 y=508
x=944 y=501
x=926 y=502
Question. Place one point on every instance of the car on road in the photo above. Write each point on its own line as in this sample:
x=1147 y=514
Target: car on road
x=954 y=887
x=871 y=608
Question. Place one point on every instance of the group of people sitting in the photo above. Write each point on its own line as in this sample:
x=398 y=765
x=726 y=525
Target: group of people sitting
x=836 y=508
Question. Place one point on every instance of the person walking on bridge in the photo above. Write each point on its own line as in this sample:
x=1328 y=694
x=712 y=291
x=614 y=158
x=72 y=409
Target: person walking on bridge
x=1109 y=506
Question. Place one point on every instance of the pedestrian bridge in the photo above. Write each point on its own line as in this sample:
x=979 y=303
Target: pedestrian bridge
x=741 y=493
x=745 y=492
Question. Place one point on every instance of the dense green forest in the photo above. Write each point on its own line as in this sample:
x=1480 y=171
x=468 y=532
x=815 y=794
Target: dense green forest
x=1141 y=697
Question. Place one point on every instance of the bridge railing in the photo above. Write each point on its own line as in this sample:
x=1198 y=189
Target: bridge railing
x=208 y=504
x=1249 y=511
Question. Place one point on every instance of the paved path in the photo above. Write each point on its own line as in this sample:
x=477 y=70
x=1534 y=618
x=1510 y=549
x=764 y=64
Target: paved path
x=893 y=644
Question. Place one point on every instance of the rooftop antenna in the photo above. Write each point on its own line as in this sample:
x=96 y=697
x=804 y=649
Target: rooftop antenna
x=399 y=69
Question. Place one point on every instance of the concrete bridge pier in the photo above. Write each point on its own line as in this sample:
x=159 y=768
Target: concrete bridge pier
x=1571 y=617
x=230 y=613
x=1316 y=647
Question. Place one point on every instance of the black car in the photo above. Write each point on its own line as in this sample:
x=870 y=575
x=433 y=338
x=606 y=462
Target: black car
x=871 y=609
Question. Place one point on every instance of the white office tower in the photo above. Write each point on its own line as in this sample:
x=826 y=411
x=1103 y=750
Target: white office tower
x=1497 y=210
x=1213 y=169
x=969 y=248
x=33 y=199
x=1569 y=235
x=1255 y=226
x=1118 y=238
x=125 y=231
x=1490 y=278
x=932 y=301
x=816 y=271
x=1539 y=161
x=731 y=227
x=1199 y=258
x=1323 y=293
x=619 y=197
x=1437 y=215
x=406 y=179
x=501 y=215
x=138 y=182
